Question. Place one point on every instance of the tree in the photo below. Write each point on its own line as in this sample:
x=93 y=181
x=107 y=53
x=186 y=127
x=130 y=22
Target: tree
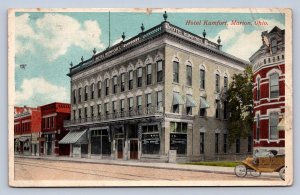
x=240 y=100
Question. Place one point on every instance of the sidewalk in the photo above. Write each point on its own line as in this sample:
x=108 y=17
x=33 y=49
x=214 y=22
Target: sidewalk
x=157 y=165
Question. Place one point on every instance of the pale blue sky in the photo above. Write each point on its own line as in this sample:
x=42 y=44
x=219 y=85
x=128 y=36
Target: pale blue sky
x=48 y=42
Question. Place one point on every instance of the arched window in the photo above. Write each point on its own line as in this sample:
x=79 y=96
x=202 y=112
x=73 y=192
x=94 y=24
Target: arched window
x=217 y=84
x=92 y=90
x=189 y=75
x=175 y=71
x=274 y=85
x=202 y=78
x=258 y=89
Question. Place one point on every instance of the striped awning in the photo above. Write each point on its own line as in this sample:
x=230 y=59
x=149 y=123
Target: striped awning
x=190 y=102
x=203 y=103
x=177 y=99
x=78 y=137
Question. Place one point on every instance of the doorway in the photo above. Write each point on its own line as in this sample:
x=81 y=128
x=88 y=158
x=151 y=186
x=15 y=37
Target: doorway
x=120 y=148
x=133 y=149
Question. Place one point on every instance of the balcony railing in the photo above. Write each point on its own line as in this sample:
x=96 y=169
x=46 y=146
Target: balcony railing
x=135 y=113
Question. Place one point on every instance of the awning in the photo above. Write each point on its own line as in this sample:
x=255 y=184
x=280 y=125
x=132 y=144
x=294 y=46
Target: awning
x=78 y=137
x=203 y=103
x=190 y=102
x=177 y=99
x=23 y=139
x=281 y=125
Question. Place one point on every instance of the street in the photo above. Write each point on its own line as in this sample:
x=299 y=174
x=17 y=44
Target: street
x=41 y=169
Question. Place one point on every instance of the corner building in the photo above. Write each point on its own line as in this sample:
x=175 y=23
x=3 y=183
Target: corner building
x=269 y=91
x=162 y=90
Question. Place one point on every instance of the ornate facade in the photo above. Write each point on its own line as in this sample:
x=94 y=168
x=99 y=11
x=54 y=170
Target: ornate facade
x=161 y=90
x=269 y=91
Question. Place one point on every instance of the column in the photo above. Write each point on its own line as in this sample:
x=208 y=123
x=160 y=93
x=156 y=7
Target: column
x=165 y=135
x=189 y=140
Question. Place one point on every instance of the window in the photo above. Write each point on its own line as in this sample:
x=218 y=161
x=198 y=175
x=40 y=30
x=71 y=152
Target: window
x=150 y=139
x=225 y=104
x=217 y=83
x=130 y=104
x=258 y=89
x=225 y=143
x=274 y=46
x=74 y=96
x=92 y=111
x=85 y=112
x=149 y=74
x=53 y=121
x=86 y=93
x=114 y=106
x=225 y=83
x=99 y=109
x=273 y=122
x=269 y=60
x=282 y=57
x=99 y=89
x=176 y=108
x=176 y=72
x=202 y=110
x=122 y=105
x=217 y=108
x=257 y=127
x=106 y=86
x=122 y=82
x=79 y=113
x=130 y=81
x=189 y=75
x=148 y=100
x=139 y=77
x=202 y=79
x=139 y=103
x=115 y=80
x=237 y=145
x=159 y=73
x=106 y=109
x=159 y=100
x=274 y=85
x=178 y=137
x=49 y=123
x=74 y=114
x=278 y=58
x=79 y=93
x=216 y=143
x=265 y=61
x=201 y=143
x=92 y=90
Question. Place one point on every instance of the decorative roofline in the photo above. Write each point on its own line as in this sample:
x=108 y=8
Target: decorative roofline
x=164 y=28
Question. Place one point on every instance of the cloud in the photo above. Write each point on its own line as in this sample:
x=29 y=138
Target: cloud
x=55 y=33
x=243 y=44
x=37 y=91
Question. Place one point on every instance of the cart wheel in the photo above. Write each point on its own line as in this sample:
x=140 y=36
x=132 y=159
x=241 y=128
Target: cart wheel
x=240 y=170
x=282 y=173
x=255 y=173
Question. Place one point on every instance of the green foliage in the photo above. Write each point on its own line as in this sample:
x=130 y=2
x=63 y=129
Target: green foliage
x=240 y=99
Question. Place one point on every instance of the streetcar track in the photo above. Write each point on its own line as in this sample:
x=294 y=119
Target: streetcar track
x=90 y=170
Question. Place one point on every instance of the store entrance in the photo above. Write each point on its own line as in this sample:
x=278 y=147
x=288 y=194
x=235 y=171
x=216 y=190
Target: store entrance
x=133 y=149
x=120 y=148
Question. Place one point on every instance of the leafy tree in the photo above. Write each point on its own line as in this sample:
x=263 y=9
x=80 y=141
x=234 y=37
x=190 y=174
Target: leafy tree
x=240 y=99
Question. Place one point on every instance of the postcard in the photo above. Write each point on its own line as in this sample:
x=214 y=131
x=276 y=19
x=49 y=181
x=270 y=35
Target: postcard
x=150 y=97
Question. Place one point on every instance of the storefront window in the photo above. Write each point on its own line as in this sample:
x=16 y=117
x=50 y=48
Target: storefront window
x=100 y=142
x=150 y=139
x=178 y=137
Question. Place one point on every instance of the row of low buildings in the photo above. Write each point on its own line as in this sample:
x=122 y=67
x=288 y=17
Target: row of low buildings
x=162 y=90
x=38 y=130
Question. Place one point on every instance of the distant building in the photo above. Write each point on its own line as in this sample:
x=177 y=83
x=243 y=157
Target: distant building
x=53 y=116
x=162 y=90
x=27 y=130
x=269 y=91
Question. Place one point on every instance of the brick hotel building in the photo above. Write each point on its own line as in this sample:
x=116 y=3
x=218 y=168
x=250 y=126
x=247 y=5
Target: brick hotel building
x=162 y=90
x=269 y=91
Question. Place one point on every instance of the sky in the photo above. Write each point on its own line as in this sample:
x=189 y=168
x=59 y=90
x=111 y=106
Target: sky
x=48 y=42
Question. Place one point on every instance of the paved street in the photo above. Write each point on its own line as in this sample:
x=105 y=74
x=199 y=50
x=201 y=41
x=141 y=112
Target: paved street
x=42 y=169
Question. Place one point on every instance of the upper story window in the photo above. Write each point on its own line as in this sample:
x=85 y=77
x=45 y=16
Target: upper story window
x=274 y=85
x=130 y=80
x=225 y=105
x=115 y=80
x=189 y=77
x=148 y=100
x=74 y=96
x=86 y=93
x=85 y=112
x=159 y=100
x=106 y=111
x=106 y=86
x=265 y=61
x=202 y=79
x=79 y=95
x=122 y=105
x=159 y=71
x=122 y=82
x=130 y=104
x=139 y=77
x=273 y=123
x=225 y=83
x=217 y=108
x=92 y=90
x=53 y=119
x=99 y=89
x=217 y=83
x=149 y=74
x=257 y=127
x=92 y=111
x=139 y=102
x=79 y=114
x=99 y=110
x=175 y=72
x=258 y=89
x=114 y=106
